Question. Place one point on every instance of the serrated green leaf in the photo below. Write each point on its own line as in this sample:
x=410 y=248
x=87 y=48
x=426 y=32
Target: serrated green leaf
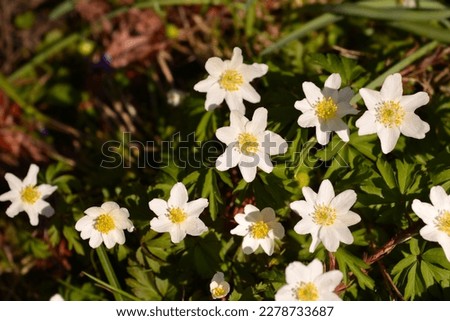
x=414 y=285
x=414 y=246
x=354 y=264
x=404 y=174
x=436 y=256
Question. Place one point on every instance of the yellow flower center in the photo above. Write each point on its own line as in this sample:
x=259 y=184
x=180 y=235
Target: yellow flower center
x=307 y=292
x=231 y=80
x=30 y=194
x=248 y=143
x=324 y=215
x=177 y=215
x=104 y=223
x=219 y=291
x=326 y=108
x=390 y=114
x=259 y=230
x=443 y=222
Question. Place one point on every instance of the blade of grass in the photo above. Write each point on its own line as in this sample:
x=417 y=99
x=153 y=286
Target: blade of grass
x=398 y=67
x=425 y=30
x=395 y=14
x=57 y=47
x=315 y=24
x=112 y=288
x=109 y=271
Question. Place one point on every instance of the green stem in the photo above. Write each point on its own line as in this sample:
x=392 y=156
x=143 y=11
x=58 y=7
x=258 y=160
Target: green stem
x=109 y=271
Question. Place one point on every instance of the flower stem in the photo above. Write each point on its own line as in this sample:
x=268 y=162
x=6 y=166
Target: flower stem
x=109 y=271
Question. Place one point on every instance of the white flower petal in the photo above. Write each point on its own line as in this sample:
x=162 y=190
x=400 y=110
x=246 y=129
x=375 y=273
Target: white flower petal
x=178 y=196
x=392 y=88
x=248 y=172
x=315 y=268
x=303 y=105
x=215 y=66
x=267 y=245
x=371 y=98
x=411 y=102
x=327 y=282
x=308 y=119
x=312 y=92
x=268 y=214
x=46 y=190
x=278 y=230
x=84 y=223
x=366 y=124
x=413 y=126
x=306 y=226
x=110 y=206
x=425 y=211
x=388 y=138
x=241 y=229
x=218 y=278
x=329 y=238
x=277 y=145
x=285 y=293
x=205 y=84
x=31 y=178
x=196 y=207
x=342 y=232
x=310 y=195
x=227 y=134
x=326 y=193
x=350 y=218
x=345 y=95
x=322 y=137
x=15 y=208
x=214 y=97
x=446 y=246
x=95 y=239
x=158 y=206
x=255 y=70
x=258 y=123
x=236 y=58
x=177 y=234
x=430 y=233
x=439 y=198
x=265 y=164
x=315 y=240
x=302 y=208
x=230 y=158
x=249 y=93
x=249 y=208
x=329 y=296
x=344 y=201
x=10 y=196
x=118 y=236
x=194 y=226
x=94 y=211
x=249 y=245
x=333 y=81
x=109 y=241
x=297 y=272
x=343 y=134
x=14 y=183
x=234 y=102
x=161 y=224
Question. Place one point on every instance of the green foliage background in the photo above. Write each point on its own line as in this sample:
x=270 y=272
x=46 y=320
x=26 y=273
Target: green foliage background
x=71 y=102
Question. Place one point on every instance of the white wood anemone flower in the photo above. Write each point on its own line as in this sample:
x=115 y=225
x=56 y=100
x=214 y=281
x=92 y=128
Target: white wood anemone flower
x=219 y=287
x=249 y=144
x=436 y=216
x=309 y=283
x=27 y=196
x=104 y=224
x=259 y=228
x=178 y=216
x=230 y=80
x=325 y=108
x=326 y=216
x=390 y=113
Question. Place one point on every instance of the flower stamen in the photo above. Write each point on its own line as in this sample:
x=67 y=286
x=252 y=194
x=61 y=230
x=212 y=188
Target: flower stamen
x=324 y=215
x=443 y=222
x=30 y=194
x=390 y=114
x=307 y=292
x=177 y=215
x=104 y=223
x=259 y=230
x=231 y=80
x=248 y=144
x=326 y=108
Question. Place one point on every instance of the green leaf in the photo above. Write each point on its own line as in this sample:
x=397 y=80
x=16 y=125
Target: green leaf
x=386 y=172
x=405 y=173
x=404 y=264
x=414 y=247
x=348 y=261
x=142 y=283
x=414 y=285
x=427 y=274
